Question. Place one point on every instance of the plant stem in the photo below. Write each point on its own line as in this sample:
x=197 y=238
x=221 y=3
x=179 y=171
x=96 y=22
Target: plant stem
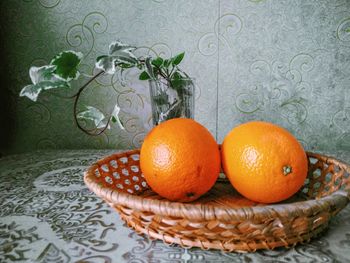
x=75 y=113
x=87 y=83
x=171 y=72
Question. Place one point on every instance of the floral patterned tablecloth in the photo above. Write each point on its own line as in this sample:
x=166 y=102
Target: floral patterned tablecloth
x=48 y=215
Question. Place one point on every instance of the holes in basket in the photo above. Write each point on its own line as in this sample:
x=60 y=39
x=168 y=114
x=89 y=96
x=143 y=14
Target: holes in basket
x=316 y=173
x=114 y=163
x=135 y=157
x=125 y=172
x=108 y=180
x=130 y=191
x=120 y=186
x=137 y=187
x=116 y=175
x=105 y=168
x=336 y=168
x=313 y=160
x=135 y=178
x=144 y=184
x=346 y=175
x=127 y=181
x=134 y=168
x=97 y=173
x=327 y=188
x=343 y=186
x=123 y=160
x=328 y=177
x=337 y=181
x=317 y=186
x=305 y=190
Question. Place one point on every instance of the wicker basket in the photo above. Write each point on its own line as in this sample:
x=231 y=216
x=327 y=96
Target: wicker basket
x=222 y=219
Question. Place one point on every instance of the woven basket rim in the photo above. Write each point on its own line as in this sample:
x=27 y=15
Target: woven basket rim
x=339 y=198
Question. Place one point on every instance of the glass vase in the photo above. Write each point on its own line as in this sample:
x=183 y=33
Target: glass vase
x=171 y=99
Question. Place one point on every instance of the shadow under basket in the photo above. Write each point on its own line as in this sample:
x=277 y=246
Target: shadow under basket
x=222 y=219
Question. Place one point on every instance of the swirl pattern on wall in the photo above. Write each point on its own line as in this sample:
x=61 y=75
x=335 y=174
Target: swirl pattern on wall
x=269 y=60
x=286 y=65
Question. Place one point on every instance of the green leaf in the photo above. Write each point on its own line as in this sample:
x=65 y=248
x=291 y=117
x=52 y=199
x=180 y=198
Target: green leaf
x=181 y=84
x=120 y=55
x=43 y=78
x=38 y=74
x=109 y=64
x=178 y=81
x=125 y=65
x=32 y=91
x=101 y=57
x=144 y=76
x=95 y=115
x=115 y=117
x=67 y=63
x=118 y=47
x=158 y=62
x=178 y=58
x=176 y=75
x=166 y=62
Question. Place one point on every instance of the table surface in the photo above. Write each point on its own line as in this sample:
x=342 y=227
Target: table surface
x=48 y=215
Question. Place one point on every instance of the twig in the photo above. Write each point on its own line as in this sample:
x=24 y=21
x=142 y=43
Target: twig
x=77 y=96
x=87 y=83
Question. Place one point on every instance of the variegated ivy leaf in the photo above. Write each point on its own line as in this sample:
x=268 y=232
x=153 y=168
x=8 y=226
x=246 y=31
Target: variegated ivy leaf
x=32 y=91
x=115 y=116
x=119 y=46
x=107 y=64
x=120 y=55
x=67 y=63
x=95 y=115
x=38 y=74
x=98 y=118
x=42 y=78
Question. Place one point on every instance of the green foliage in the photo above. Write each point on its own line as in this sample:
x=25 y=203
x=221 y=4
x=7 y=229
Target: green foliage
x=43 y=78
x=158 y=62
x=115 y=116
x=99 y=120
x=67 y=63
x=120 y=55
x=64 y=68
x=95 y=115
x=178 y=58
x=144 y=76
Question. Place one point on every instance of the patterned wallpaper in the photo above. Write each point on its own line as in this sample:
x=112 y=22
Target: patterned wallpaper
x=282 y=61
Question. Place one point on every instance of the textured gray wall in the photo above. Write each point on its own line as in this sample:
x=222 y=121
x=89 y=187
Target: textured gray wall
x=282 y=61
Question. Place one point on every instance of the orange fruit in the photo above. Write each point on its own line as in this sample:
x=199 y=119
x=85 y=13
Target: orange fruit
x=264 y=162
x=180 y=160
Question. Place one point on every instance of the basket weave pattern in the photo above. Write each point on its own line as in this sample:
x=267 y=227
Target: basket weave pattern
x=222 y=219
